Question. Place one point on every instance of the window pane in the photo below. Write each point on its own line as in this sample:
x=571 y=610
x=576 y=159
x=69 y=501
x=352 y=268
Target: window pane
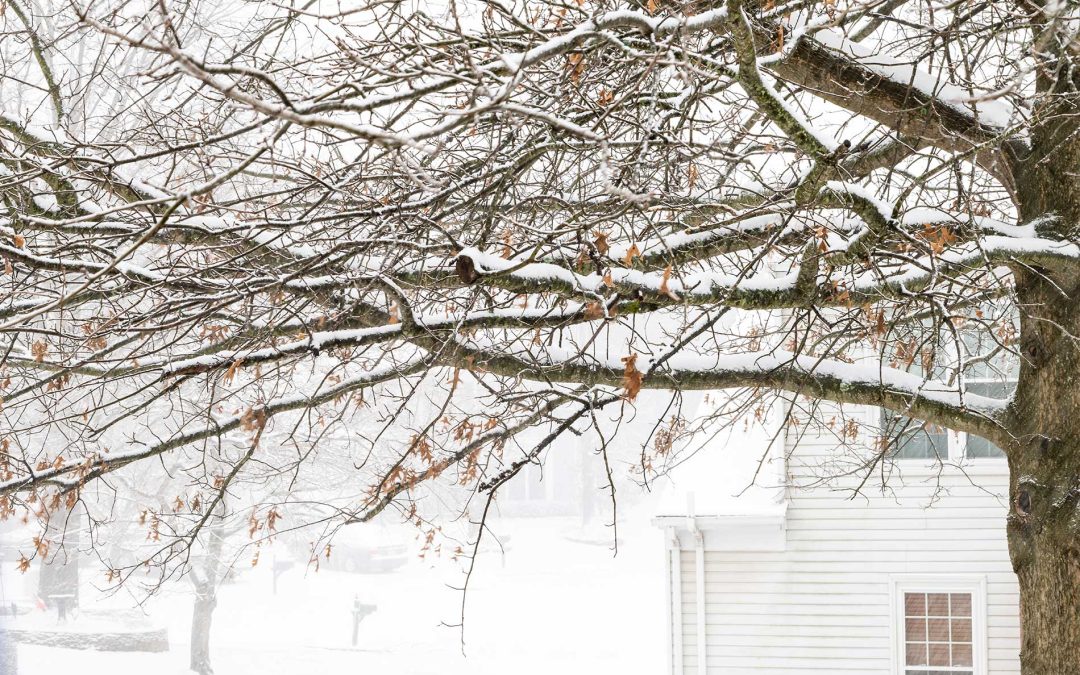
x=915 y=604
x=916 y=654
x=961 y=655
x=915 y=629
x=961 y=630
x=938 y=630
x=939 y=654
x=980 y=447
x=912 y=439
x=1003 y=362
x=937 y=604
x=961 y=604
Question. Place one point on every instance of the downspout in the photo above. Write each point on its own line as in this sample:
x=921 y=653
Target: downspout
x=673 y=564
x=778 y=448
x=783 y=405
x=699 y=578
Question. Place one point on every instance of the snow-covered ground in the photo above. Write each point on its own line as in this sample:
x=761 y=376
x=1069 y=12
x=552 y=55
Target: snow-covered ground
x=557 y=600
x=553 y=603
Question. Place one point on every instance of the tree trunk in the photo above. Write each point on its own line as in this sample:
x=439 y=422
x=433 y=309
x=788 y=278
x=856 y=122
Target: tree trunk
x=1044 y=545
x=1049 y=605
x=1045 y=551
x=201 y=621
x=1044 y=462
x=1044 y=419
x=206 y=583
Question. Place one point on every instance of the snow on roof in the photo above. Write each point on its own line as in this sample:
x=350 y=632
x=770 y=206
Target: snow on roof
x=731 y=474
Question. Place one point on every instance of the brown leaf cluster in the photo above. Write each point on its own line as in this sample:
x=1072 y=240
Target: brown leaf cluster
x=632 y=377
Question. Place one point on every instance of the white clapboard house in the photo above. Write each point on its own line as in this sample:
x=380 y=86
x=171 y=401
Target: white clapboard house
x=910 y=576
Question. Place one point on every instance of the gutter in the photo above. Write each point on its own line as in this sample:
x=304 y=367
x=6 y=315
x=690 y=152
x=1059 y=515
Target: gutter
x=673 y=566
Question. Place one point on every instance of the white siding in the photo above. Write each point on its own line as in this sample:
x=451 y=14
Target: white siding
x=823 y=605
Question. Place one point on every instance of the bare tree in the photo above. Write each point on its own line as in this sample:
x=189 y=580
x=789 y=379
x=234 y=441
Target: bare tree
x=223 y=218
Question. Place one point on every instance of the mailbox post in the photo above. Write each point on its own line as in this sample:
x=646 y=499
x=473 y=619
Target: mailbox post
x=359 y=611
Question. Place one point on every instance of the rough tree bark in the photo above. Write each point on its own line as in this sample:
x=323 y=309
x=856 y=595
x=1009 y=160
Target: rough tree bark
x=1044 y=461
x=1043 y=524
x=1044 y=521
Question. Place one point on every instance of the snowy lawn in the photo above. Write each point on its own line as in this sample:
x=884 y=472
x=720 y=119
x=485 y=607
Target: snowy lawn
x=553 y=604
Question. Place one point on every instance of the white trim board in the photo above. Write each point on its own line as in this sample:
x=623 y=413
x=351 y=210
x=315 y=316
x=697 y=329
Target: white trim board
x=751 y=532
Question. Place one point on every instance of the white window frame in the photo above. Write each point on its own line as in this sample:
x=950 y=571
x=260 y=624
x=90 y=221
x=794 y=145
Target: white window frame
x=956 y=441
x=955 y=451
x=975 y=584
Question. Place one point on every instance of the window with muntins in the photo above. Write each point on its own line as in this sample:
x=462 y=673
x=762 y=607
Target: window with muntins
x=994 y=377
x=938 y=634
x=915 y=439
x=984 y=366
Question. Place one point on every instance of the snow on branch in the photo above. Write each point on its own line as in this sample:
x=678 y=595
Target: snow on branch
x=981 y=105
x=867 y=382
